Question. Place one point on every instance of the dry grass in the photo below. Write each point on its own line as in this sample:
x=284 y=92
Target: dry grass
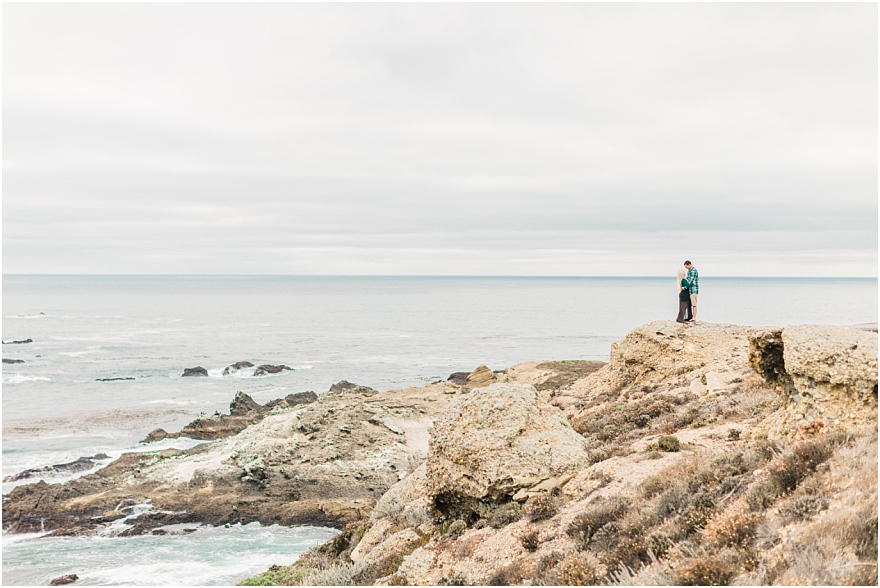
x=529 y=540
x=539 y=508
x=586 y=525
x=578 y=569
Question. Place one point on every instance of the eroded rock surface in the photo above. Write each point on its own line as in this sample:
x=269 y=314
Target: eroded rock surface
x=498 y=443
x=195 y=372
x=244 y=411
x=324 y=462
x=824 y=373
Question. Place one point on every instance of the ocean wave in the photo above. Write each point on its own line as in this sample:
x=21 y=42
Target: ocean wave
x=28 y=316
x=80 y=353
x=18 y=379
x=172 y=401
x=208 y=556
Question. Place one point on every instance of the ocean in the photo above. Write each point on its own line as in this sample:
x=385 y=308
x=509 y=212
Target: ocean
x=383 y=332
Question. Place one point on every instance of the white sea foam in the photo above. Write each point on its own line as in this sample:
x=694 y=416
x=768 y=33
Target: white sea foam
x=208 y=556
x=173 y=401
x=81 y=353
x=19 y=378
x=27 y=316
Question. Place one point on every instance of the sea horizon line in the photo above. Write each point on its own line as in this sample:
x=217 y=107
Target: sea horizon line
x=435 y=276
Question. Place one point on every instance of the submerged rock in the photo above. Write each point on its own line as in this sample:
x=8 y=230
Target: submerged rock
x=63 y=580
x=500 y=442
x=155 y=435
x=237 y=366
x=270 y=369
x=18 y=342
x=7 y=360
x=197 y=371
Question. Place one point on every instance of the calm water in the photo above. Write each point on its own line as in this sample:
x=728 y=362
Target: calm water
x=383 y=332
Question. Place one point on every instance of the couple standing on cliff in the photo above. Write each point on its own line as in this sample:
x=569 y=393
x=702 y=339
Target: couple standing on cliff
x=688 y=289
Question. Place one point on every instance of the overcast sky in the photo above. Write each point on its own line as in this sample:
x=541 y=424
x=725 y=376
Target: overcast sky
x=499 y=139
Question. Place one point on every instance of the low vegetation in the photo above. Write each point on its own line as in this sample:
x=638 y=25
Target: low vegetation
x=737 y=509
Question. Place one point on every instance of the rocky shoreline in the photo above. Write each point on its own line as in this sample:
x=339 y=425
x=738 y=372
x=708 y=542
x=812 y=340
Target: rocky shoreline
x=540 y=473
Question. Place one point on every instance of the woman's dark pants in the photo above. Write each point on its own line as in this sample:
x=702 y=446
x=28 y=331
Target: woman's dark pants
x=685 y=311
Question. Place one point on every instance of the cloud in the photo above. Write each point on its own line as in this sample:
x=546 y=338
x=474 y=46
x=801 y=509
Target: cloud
x=497 y=138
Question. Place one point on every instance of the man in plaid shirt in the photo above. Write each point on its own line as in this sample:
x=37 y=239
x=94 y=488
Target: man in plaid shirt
x=694 y=278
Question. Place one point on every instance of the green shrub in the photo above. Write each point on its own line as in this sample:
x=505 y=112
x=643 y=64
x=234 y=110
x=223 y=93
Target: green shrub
x=456 y=528
x=669 y=443
x=803 y=507
x=762 y=495
x=278 y=576
x=505 y=514
x=454 y=580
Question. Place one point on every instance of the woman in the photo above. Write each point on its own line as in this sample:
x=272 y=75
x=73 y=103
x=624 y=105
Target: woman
x=685 y=310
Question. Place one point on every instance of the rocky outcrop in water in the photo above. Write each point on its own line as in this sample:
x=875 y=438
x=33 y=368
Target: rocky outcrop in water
x=345 y=387
x=7 y=360
x=270 y=369
x=458 y=378
x=22 y=342
x=309 y=460
x=236 y=367
x=64 y=580
x=196 y=372
x=243 y=412
x=59 y=470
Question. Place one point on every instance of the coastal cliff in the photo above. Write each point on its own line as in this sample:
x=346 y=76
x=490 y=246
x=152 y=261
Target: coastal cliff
x=699 y=454
x=682 y=461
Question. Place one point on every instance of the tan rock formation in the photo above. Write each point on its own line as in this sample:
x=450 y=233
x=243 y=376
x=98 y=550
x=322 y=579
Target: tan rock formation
x=825 y=374
x=628 y=511
x=482 y=376
x=499 y=442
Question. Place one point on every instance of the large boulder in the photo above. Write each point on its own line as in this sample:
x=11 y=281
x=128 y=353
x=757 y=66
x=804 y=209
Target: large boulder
x=497 y=443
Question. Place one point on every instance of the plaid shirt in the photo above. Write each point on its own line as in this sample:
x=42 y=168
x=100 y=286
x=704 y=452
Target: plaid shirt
x=694 y=278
